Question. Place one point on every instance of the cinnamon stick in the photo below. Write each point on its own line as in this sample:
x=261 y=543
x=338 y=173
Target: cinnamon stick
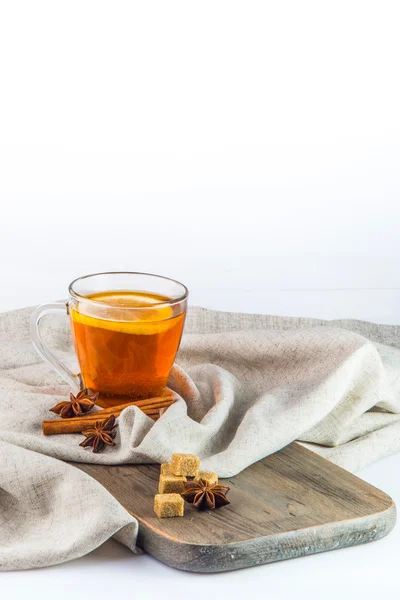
x=117 y=410
x=144 y=404
x=147 y=402
x=65 y=426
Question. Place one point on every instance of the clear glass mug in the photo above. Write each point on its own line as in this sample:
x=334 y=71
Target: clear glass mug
x=126 y=329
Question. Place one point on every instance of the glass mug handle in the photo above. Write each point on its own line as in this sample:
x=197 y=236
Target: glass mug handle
x=73 y=379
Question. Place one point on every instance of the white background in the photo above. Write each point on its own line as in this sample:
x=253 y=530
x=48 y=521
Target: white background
x=250 y=149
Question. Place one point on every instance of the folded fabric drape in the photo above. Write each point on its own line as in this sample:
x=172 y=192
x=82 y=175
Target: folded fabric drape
x=245 y=386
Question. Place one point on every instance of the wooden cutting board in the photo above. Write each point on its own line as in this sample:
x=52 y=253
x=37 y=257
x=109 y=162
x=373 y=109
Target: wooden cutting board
x=290 y=504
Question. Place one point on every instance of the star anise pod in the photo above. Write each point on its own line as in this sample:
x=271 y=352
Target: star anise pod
x=100 y=434
x=77 y=406
x=204 y=496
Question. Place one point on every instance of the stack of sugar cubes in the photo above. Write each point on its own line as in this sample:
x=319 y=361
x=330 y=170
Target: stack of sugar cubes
x=173 y=476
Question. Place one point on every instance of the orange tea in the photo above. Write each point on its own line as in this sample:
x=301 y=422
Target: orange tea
x=126 y=342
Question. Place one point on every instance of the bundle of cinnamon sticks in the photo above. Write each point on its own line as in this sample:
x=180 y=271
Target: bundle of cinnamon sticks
x=152 y=407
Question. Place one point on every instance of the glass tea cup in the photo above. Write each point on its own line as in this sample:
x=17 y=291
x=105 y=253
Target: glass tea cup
x=126 y=329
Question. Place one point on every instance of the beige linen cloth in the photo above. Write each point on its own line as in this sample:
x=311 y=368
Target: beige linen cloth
x=246 y=386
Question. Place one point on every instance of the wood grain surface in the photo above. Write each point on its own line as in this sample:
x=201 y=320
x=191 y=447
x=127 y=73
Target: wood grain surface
x=290 y=504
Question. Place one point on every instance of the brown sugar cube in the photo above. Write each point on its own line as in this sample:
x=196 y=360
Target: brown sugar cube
x=170 y=484
x=168 y=505
x=165 y=469
x=207 y=476
x=185 y=464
